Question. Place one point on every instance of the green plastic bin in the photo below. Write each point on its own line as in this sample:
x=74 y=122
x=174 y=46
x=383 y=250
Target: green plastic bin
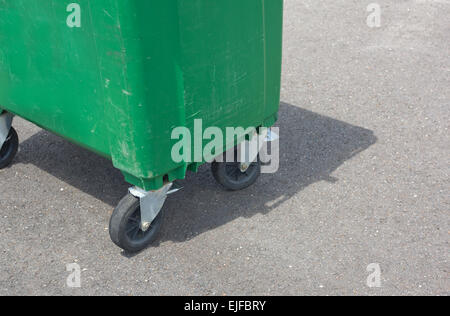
x=117 y=76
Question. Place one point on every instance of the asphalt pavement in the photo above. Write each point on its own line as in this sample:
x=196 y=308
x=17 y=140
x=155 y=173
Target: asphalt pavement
x=363 y=181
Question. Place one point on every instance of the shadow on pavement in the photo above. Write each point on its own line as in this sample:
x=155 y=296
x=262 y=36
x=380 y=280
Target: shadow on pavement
x=312 y=146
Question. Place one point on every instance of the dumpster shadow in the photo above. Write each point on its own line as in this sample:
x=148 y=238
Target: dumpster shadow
x=74 y=165
x=312 y=146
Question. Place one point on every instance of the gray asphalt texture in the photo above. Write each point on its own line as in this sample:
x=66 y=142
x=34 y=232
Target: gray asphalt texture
x=364 y=179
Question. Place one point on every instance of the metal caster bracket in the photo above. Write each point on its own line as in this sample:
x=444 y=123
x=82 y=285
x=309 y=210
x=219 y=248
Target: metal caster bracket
x=152 y=202
x=5 y=125
x=250 y=149
x=271 y=136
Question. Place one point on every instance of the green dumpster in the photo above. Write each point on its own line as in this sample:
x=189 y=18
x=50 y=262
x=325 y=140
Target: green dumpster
x=118 y=76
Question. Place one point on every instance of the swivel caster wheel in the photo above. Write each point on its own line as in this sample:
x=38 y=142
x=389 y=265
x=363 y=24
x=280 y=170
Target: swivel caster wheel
x=9 y=149
x=126 y=229
x=235 y=176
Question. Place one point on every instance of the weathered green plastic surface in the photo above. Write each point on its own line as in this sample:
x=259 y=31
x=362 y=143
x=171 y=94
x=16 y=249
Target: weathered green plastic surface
x=136 y=69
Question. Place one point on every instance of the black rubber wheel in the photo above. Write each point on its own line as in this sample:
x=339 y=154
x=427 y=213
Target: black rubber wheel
x=125 y=229
x=230 y=176
x=9 y=149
